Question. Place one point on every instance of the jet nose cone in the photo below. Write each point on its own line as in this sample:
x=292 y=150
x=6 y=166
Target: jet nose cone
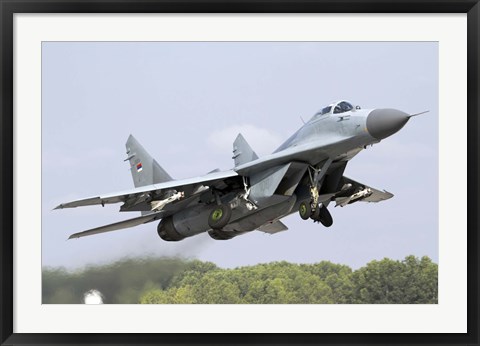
x=382 y=123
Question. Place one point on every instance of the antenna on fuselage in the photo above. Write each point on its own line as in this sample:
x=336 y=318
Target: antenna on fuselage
x=303 y=121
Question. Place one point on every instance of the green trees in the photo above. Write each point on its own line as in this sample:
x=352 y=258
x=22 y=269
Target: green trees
x=122 y=282
x=175 y=281
x=412 y=280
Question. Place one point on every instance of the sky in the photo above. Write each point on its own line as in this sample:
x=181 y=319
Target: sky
x=187 y=101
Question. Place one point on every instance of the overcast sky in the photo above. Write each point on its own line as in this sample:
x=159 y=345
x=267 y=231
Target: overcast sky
x=186 y=102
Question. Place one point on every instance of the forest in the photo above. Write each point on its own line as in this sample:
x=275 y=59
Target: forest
x=151 y=280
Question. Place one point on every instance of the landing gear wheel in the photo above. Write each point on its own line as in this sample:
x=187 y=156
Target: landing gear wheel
x=220 y=216
x=305 y=210
x=315 y=216
x=325 y=217
x=322 y=215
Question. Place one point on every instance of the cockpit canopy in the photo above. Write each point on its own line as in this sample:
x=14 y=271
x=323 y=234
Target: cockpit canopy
x=336 y=108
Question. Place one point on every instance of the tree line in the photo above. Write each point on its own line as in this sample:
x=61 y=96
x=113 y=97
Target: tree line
x=178 y=281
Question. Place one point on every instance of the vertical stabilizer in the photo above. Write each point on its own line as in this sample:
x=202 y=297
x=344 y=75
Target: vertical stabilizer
x=242 y=152
x=145 y=170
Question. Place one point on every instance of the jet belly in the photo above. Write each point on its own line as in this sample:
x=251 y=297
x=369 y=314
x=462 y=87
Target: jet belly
x=254 y=220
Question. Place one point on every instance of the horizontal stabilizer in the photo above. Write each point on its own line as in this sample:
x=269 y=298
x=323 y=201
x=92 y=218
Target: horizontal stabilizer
x=273 y=227
x=242 y=152
x=119 y=225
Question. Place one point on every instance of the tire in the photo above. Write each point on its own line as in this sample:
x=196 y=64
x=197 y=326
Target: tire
x=220 y=216
x=315 y=215
x=305 y=210
x=325 y=217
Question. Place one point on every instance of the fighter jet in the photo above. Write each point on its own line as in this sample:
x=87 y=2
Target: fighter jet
x=305 y=175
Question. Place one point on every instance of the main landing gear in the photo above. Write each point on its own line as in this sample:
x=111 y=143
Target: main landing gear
x=219 y=216
x=221 y=213
x=319 y=214
x=313 y=209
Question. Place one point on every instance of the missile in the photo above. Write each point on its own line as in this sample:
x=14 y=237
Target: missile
x=159 y=205
x=356 y=197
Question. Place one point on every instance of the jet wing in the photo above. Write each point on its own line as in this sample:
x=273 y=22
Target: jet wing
x=189 y=187
x=120 y=225
x=359 y=192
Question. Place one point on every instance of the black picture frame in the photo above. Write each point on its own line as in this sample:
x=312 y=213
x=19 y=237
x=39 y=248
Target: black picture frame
x=9 y=7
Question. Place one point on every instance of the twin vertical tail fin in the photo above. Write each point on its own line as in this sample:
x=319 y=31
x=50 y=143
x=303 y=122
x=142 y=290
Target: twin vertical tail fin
x=145 y=170
x=242 y=152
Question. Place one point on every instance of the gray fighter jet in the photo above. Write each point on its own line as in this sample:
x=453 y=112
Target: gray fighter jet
x=304 y=175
